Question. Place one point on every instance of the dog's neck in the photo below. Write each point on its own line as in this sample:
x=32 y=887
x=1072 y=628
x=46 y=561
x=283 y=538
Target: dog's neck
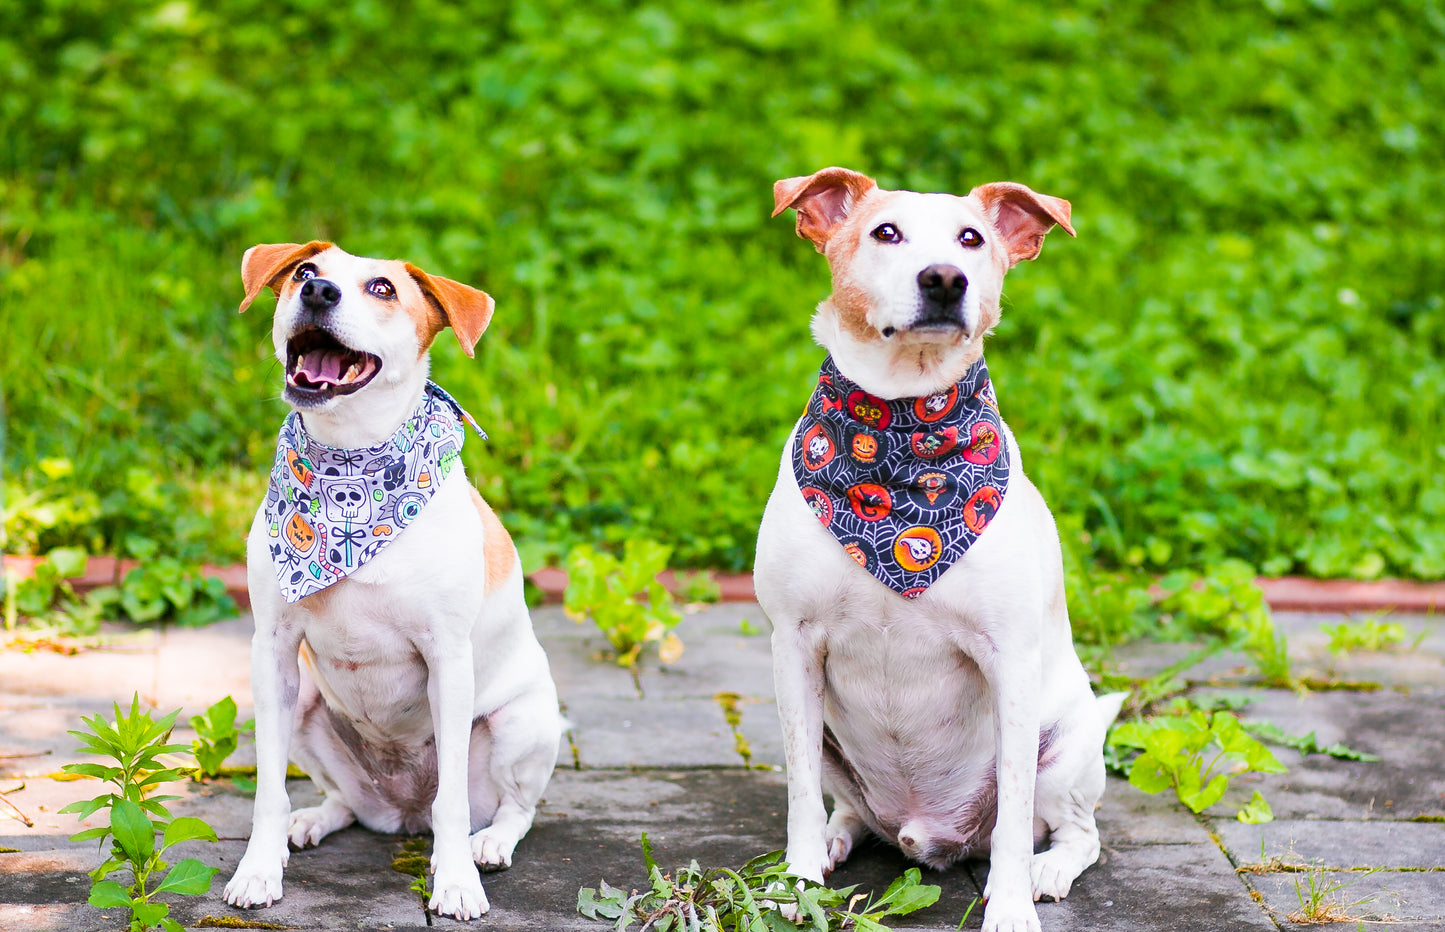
x=371 y=415
x=903 y=367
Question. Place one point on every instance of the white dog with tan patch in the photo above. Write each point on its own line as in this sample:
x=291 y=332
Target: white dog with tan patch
x=394 y=659
x=925 y=672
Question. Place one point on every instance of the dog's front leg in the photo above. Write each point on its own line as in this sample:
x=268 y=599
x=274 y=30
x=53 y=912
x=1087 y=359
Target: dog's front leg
x=451 y=691
x=1014 y=680
x=799 y=653
x=275 y=682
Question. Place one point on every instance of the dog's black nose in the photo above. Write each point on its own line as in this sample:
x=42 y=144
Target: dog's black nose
x=942 y=284
x=320 y=295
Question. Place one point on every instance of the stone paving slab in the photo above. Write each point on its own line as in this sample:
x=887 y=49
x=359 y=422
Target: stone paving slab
x=1391 y=845
x=1407 y=731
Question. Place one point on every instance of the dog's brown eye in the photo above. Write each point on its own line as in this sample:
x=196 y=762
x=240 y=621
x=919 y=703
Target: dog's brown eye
x=971 y=238
x=887 y=233
x=381 y=288
x=304 y=271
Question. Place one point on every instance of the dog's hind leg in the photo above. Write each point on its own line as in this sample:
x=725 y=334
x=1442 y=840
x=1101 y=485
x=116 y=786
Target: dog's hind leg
x=310 y=825
x=510 y=765
x=1069 y=789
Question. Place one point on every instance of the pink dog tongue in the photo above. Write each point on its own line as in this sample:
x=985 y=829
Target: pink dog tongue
x=321 y=366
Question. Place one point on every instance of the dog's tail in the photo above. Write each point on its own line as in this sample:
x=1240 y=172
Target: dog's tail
x=1107 y=707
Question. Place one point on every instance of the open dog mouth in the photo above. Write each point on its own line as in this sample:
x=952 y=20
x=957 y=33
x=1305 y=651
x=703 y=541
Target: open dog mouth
x=320 y=367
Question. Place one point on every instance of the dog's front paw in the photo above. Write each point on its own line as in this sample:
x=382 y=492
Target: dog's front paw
x=256 y=883
x=459 y=893
x=492 y=850
x=1010 y=915
x=810 y=865
x=1052 y=873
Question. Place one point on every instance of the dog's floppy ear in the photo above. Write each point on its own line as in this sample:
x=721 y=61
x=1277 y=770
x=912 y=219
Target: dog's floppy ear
x=264 y=263
x=467 y=309
x=823 y=200
x=1022 y=216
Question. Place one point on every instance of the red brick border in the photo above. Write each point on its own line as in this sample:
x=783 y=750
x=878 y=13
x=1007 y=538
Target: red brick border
x=1287 y=593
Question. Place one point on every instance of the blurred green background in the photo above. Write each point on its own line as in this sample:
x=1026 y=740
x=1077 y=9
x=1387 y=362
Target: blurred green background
x=1240 y=356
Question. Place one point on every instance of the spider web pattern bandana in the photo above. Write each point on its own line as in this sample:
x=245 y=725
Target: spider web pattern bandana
x=330 y=511
x=907 y=485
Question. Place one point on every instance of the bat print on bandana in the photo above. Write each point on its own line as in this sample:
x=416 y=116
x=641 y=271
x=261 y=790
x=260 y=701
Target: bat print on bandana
x=904 y=485
x=345 y=506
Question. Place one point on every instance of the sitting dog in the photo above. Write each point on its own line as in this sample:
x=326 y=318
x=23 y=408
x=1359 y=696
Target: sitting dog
x=925 y=673
x=394 y=657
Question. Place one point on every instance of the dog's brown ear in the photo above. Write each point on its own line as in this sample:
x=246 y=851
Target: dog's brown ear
x=263 y=264
x=823 y=200
x=1022 y=216
x=467 y=309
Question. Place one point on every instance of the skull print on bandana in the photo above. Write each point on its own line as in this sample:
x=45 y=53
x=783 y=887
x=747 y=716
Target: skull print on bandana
x=905 y=485
x=330 y=510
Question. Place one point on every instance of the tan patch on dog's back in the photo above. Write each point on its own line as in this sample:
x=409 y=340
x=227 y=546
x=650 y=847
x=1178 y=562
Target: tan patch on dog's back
x=501 y=554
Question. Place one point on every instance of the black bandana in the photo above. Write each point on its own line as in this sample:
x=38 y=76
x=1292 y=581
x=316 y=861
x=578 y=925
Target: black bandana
x=906 y=486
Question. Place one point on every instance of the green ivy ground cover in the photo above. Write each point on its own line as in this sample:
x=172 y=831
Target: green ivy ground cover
x=1240 y=355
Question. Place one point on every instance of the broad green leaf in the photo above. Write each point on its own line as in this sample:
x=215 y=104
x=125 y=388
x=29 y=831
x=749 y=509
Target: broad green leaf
x=133 y=831
x=189 y=877
x=1201 y=799
x=1146 y=774
x=1257 y=811
x=187 y=828
x=107 y=894
x=149 y=914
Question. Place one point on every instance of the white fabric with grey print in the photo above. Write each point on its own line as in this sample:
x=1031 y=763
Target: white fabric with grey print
x=331 y=510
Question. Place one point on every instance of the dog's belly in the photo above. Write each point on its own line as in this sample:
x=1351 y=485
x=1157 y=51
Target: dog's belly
x=910 y=726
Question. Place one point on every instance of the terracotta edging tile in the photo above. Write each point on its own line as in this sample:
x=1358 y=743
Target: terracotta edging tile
x=1286 y=593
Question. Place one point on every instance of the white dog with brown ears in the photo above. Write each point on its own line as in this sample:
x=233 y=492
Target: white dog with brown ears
x=925 y=672
x=394 y=659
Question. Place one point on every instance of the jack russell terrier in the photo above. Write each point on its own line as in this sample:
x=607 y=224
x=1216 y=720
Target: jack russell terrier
x=394 y=658
x=926 y=677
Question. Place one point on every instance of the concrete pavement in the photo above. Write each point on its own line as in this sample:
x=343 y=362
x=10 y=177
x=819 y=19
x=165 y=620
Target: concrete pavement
x=655 y=752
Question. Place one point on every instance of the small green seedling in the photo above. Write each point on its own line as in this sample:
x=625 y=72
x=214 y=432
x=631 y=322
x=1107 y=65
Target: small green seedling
x=701 y=586
x=1174 y=751
x=1364 y=635
x=217 y=736
x=625 y=599
x=414 y=861
x=1319 y=901
x=136 y=741
x=691 y=899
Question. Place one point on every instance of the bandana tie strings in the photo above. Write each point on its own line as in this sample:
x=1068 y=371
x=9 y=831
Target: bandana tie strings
x=330 y=511
x=905 y=485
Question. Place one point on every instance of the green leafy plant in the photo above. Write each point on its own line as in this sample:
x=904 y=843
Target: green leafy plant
x=624 y=598
x=691 y=899
x=1370 y=634
x=136 y=741
x=217 y=736
x=1305 y=744
x=1196 y=753
x=1226 y=603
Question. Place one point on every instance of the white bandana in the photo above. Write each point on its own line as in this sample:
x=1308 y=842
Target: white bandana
x=331 y=510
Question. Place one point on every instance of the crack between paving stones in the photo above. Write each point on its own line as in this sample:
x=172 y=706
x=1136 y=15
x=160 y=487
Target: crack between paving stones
x=1255 y=896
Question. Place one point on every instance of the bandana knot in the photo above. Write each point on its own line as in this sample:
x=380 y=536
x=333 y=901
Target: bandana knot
x=905 y=485
x=330 y=511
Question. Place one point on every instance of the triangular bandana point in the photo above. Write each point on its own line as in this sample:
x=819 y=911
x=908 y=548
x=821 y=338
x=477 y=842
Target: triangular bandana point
x=904 y=485
x=330 y=511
